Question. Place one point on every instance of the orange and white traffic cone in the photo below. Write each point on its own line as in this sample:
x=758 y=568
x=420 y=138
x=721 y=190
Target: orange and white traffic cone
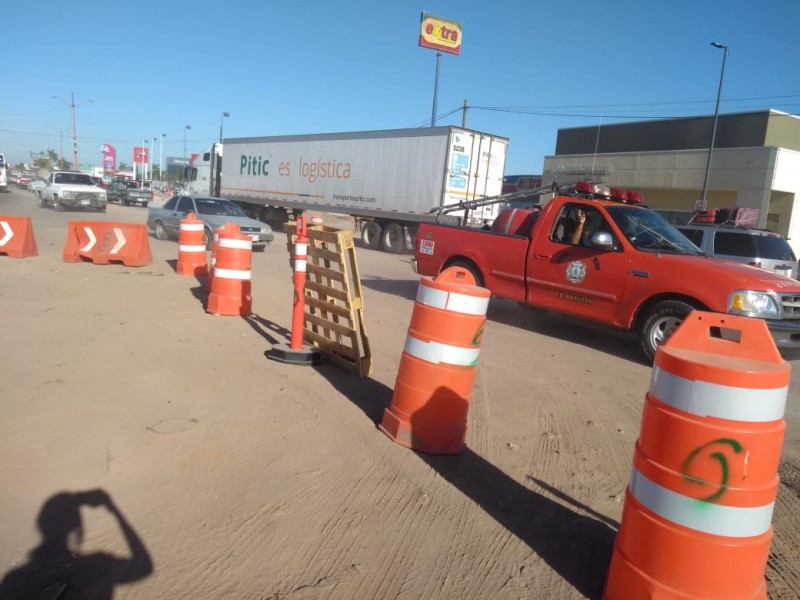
x=213 y=259
x=191 y=248
x=431 y=397
x=231 y=287
x=697 y=520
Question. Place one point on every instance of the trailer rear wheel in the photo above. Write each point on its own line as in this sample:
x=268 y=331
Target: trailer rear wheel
x=393 y=240
x=371 y=235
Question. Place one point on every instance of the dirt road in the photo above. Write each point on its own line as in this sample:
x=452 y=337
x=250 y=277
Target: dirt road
x=238 y=477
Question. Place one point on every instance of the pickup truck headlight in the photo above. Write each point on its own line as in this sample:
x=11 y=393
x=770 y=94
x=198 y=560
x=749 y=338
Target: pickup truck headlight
x=750 y=303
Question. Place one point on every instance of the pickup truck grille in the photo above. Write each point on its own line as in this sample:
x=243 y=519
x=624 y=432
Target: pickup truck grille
x=81 y=195
x=791 y=305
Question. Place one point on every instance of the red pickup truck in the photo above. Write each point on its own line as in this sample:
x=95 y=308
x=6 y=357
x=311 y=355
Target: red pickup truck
x=618 y=264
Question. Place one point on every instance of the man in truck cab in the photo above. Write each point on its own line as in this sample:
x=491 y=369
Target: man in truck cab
x=577 y=224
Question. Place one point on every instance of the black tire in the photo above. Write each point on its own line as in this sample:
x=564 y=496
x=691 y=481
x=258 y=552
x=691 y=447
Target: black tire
x=42 y=203
x=208 y=238
x=57 y=204
x=371 y=235
x=393 y=241
x=469 y=266
x=659 y=323
x=161 y=233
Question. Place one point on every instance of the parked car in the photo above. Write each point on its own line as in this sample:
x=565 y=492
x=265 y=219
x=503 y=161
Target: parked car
x=23 y=179
x=165 y=221
x=755 y=247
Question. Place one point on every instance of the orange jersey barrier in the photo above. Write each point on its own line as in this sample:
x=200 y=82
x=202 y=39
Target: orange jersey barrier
x=230 y=287
x=102 y=243
x=191 y=247
x=697 y=520
x=16 y=237
x=431 y=397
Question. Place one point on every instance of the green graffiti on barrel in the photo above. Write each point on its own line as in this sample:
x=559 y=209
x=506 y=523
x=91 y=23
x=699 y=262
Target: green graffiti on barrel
x=720 y=458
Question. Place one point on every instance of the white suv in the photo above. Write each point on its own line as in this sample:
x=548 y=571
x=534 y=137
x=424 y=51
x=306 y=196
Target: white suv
x=755 y=247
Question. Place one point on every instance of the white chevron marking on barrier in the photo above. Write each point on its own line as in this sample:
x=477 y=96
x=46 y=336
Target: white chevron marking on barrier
x=9 y=233
x=92 y=240
x=120 y=240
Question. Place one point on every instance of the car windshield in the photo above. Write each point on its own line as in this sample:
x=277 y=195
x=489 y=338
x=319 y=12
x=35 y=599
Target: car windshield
x=648 y=231
x=217 y=206
x=74 y=178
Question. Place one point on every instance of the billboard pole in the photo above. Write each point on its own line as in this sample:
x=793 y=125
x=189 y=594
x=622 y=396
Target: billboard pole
x=435 y=90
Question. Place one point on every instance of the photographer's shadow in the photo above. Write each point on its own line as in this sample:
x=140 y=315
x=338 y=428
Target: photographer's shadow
x=57 y=569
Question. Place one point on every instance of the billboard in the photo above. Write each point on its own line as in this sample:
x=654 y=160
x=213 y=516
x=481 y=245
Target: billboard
x=440 y=34
x=141 y=155
x=109 y=159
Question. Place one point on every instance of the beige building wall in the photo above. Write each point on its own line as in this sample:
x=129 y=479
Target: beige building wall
x=767 y=178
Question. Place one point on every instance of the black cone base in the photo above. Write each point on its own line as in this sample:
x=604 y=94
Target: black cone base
x=304 y=356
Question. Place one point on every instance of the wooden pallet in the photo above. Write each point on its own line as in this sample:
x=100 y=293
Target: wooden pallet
x=334 y=315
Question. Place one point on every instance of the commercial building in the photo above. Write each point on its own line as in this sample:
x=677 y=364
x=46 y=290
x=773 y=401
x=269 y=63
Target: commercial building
x=755 y=163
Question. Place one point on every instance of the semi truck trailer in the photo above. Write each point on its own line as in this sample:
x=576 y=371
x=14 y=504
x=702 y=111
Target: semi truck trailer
x=389 y=181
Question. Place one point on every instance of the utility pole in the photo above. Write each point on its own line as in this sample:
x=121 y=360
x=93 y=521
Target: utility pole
x=464 y=116
x=73 y=106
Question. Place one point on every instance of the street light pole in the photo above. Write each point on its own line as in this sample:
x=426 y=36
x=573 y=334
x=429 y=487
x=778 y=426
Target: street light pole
x=222 y=118
x=716 y=116
x=73 y=106
x=184 y=139
x=61 y=145
x=161 y=157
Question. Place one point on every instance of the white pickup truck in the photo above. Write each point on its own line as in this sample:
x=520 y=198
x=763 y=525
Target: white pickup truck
x=74 y=190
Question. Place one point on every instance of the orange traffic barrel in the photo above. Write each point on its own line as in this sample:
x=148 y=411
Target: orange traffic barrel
x=16 y=237
x=213 y=259
x=191 y=247
x=697 y=519
x=230 y=288
x=434 y=383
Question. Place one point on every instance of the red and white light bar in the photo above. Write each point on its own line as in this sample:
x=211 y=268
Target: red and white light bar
x=610 y=193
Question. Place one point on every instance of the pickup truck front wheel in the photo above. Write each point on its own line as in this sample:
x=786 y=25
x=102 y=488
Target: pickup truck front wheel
x=660 y=323
x=57 y=204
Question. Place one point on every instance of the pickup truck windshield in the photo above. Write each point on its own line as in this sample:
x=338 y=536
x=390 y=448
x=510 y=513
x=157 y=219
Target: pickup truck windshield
x=648 y=231
x=215 y=206
x=74 y=178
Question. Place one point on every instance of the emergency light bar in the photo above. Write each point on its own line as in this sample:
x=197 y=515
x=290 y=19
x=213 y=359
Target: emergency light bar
x=610 y=193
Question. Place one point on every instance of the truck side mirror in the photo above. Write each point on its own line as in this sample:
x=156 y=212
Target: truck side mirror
x=603 y=239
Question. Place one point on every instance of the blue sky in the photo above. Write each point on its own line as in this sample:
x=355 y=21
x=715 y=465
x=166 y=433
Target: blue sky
x=526 y=68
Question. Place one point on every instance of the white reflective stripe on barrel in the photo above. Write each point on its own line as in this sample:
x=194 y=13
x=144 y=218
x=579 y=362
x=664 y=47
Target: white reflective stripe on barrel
x=234 y=243
x=435 y=352
x=706 y=399
x=189 y=248
x=192 y=227
x=231 y=274
x=301 y=249
x=715 y=519
x=300 y=266
x=461 y=303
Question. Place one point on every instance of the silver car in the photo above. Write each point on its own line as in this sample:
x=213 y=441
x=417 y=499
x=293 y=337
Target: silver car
x=755 y=247
x=165 y=220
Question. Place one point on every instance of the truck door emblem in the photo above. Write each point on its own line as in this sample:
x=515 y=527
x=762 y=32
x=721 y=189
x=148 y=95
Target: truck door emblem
x=576 y=271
